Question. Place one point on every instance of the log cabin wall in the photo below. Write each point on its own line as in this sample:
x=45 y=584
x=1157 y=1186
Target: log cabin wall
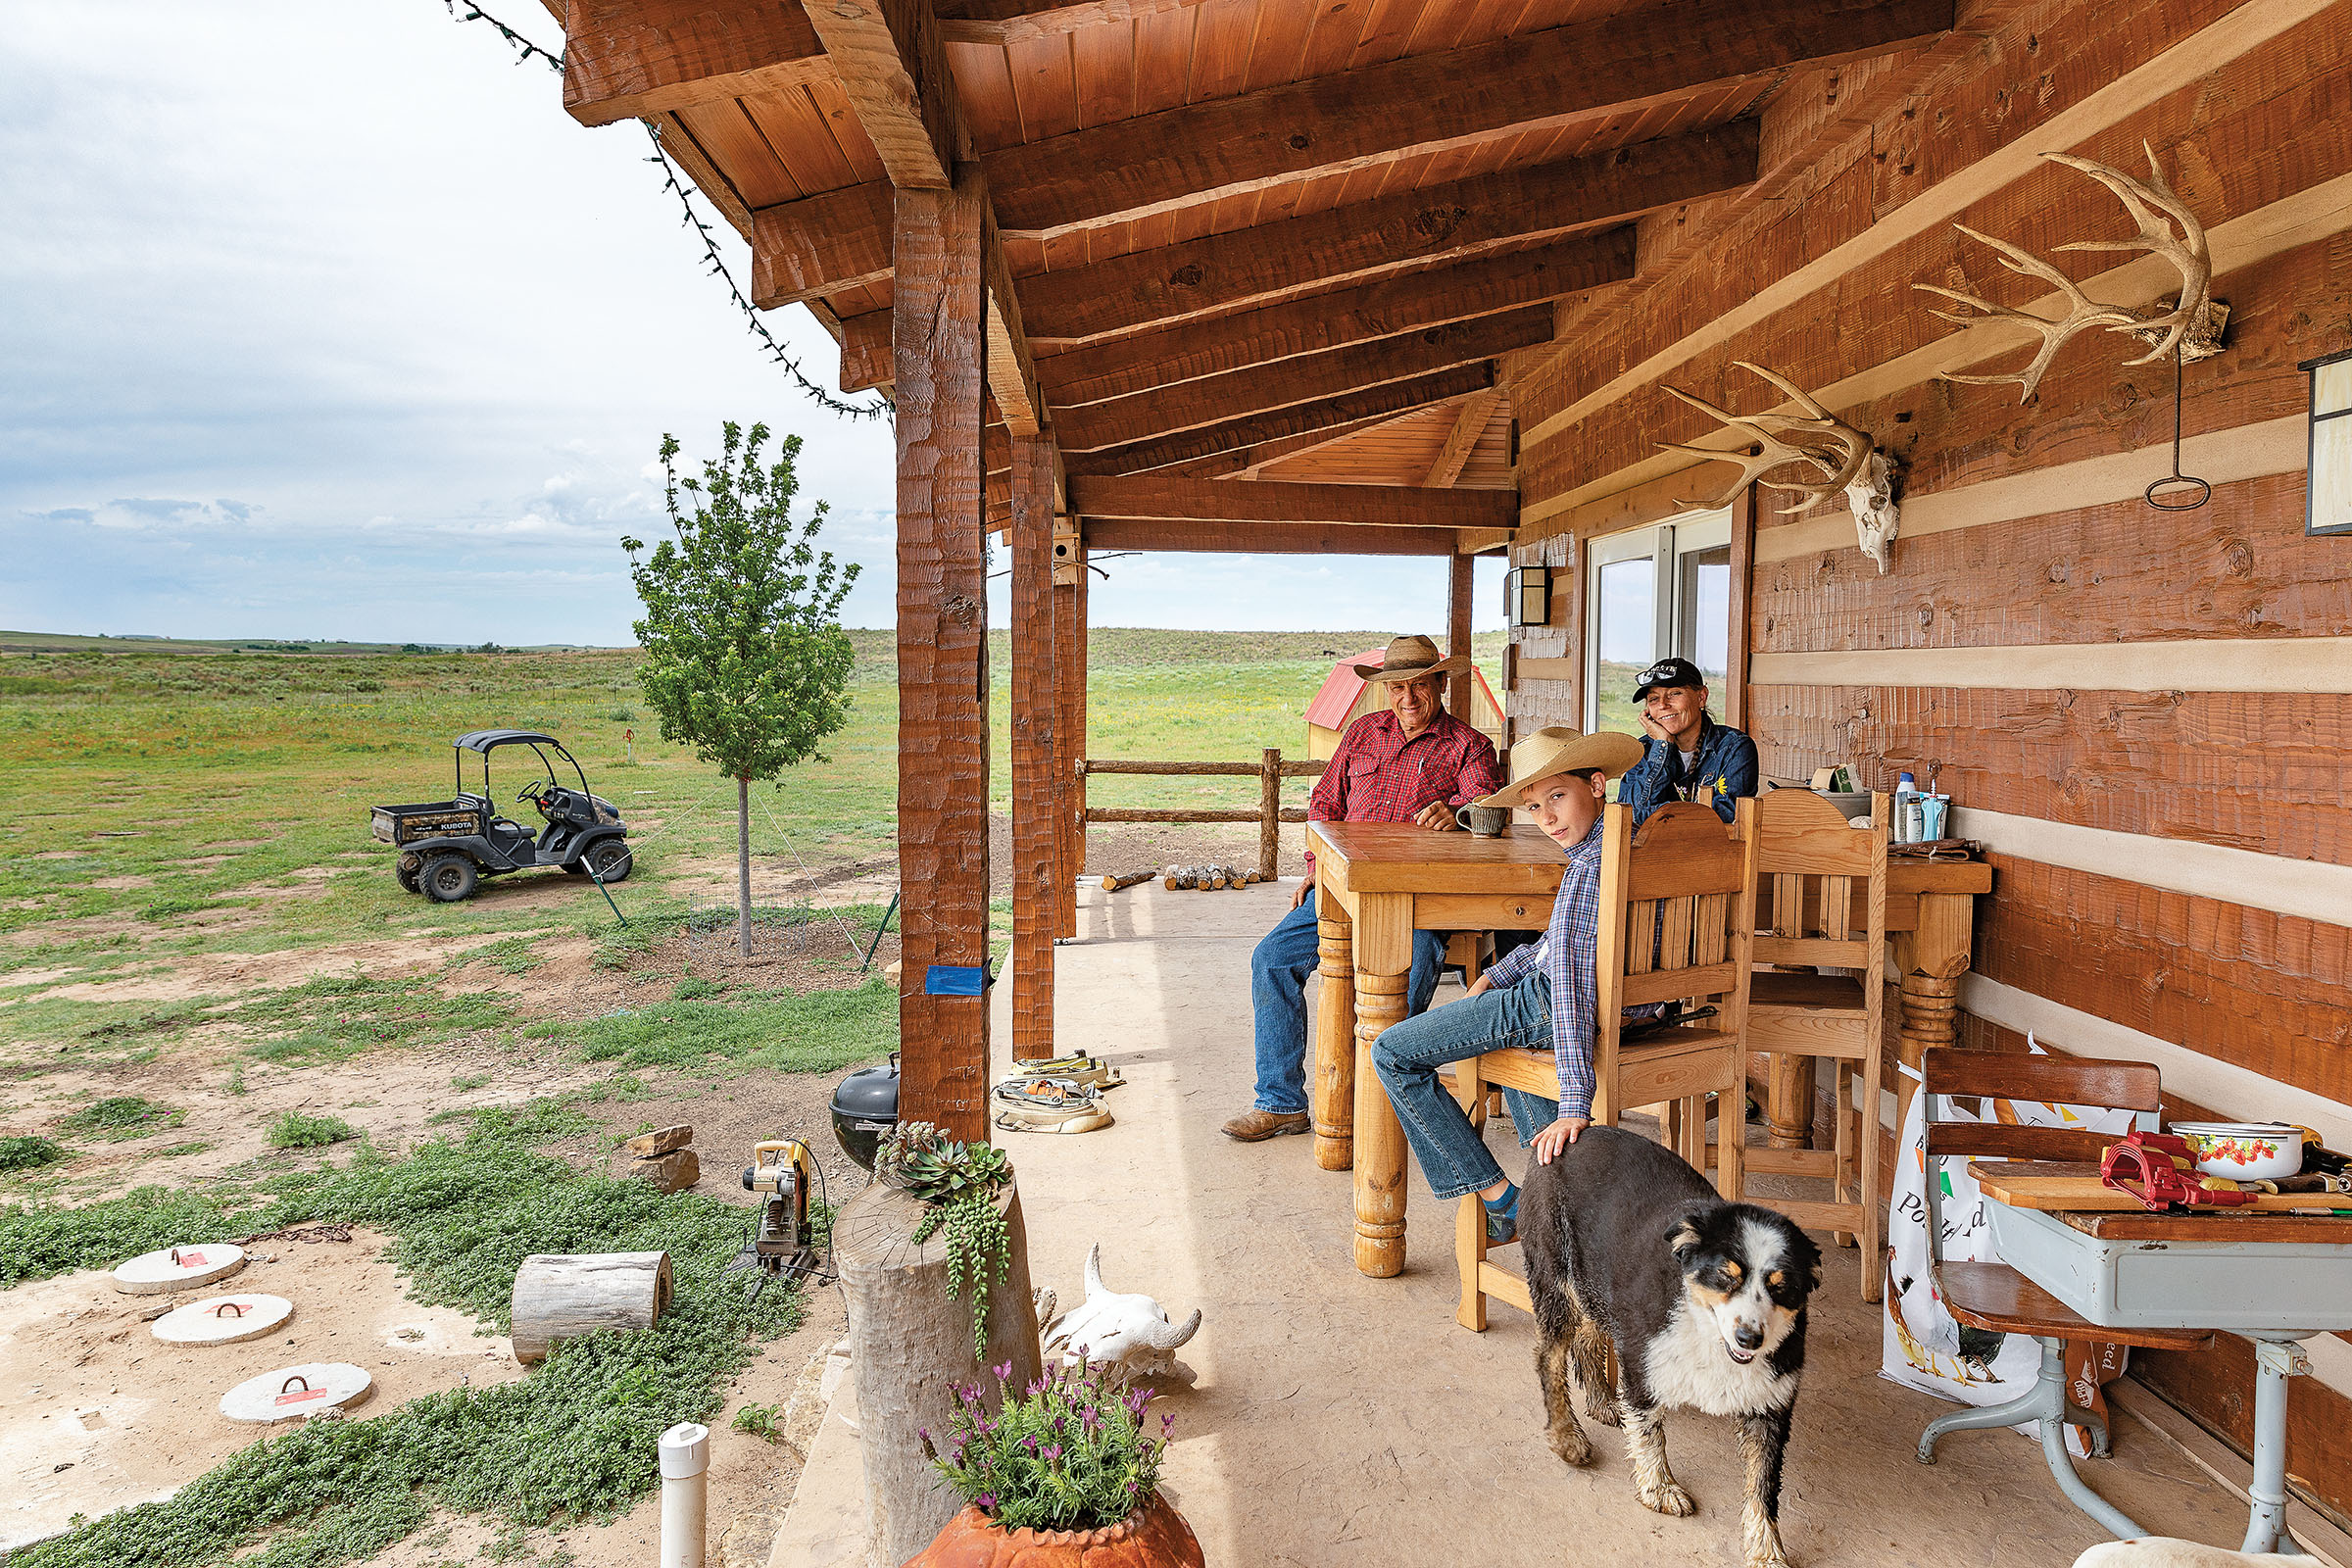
x=2142 y=714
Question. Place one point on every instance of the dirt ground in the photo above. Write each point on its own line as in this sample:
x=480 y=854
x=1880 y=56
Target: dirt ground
x=97 y=1414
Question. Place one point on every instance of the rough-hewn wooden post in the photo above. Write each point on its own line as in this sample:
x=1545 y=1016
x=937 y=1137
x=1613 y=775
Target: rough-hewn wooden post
x=1039 y=838
x=1460 y=573
x=943 y=649
x=1269 y=815
x=1069 y=733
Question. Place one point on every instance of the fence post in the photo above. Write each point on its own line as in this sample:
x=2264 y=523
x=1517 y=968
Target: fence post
x=1269 y=820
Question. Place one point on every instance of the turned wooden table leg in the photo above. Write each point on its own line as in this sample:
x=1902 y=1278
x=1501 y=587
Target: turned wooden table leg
x=1789 y=1102
x=1384 y=956
x=1333 y=1092
x=1930 y=960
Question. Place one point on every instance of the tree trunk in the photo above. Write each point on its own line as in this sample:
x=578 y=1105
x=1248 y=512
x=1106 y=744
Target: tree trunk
x=562 y=1295
x=743 y=866
x=911 y=1343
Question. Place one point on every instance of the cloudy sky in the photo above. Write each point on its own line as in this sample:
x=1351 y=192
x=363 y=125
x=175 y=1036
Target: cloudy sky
x=326 y=322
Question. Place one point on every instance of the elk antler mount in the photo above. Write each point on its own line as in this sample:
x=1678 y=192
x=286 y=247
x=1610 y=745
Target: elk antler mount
x=2190 y=324
x=1817 y=440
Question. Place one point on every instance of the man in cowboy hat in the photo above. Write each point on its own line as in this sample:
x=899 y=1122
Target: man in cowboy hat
x=1543 y=993
x=1409 y=762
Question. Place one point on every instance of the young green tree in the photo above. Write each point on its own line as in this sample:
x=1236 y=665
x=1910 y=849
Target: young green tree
x=745 y=658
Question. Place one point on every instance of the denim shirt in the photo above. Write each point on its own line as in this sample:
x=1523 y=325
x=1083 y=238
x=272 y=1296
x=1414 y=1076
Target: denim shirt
x=1727 y=765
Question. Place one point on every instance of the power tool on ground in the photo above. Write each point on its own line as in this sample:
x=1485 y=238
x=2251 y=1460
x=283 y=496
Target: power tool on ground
x=782 y=1242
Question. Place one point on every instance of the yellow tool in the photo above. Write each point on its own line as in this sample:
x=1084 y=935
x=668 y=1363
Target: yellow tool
x=784 y=1241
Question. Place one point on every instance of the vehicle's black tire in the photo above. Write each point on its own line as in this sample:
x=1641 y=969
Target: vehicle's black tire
x=448 y=878
x=405 y=877
x=612 y=858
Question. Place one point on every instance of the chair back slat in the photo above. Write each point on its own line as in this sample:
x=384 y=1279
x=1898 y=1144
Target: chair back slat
x=1836 y=906
x=1947 y=1071
x=1803 y=832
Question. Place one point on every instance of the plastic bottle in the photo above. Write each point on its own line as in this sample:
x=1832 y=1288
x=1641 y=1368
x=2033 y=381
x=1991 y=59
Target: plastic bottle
x=1906 y=809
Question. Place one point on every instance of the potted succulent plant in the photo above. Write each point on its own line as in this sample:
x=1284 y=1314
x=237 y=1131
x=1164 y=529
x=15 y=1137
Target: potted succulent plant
x=1066 y=1475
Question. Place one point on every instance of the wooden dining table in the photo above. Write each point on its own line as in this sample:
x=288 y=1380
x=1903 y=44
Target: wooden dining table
x=1377 y=883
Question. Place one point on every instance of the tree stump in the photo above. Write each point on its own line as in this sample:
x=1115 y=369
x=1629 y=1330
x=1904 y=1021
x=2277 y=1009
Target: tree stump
x=563 y=1295
x=910 y=1343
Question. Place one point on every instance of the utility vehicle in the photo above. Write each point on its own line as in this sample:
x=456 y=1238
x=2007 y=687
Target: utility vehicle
x=447 y=846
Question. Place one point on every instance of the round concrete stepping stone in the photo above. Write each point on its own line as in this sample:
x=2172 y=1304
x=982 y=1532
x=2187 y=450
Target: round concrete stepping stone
x=293 y=1392
x=223 y=1319
x=178 y=1268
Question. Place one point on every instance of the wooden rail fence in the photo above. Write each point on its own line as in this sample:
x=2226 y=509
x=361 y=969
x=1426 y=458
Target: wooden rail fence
x=1269 y=770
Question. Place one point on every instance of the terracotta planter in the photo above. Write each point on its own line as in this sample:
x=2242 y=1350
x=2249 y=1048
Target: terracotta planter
x=1152 y=1537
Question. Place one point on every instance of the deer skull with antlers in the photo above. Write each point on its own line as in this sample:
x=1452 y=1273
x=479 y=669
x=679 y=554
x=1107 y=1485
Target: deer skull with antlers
x=2187 y=324
x=1840 y=457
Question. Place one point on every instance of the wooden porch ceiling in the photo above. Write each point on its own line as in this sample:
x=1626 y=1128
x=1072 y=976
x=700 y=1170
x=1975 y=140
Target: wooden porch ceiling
x=1278 y=240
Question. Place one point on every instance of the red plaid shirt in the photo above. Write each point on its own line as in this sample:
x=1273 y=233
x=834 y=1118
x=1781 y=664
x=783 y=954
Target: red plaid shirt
x=1378 y=775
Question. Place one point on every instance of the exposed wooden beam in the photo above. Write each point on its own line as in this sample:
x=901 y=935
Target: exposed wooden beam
x=716 y=188
x=821 y=244
x=1468 y=426
x=1461 y=577
x=1010 y=22
x=1267 y=538
x=1012 y=373
x=1127 y=292
x=1613 y=66
x=865 y=360
x=1381 y=506
x=1311 y=377
x=1117 y=366
x=894 y=70
x=942 y=648
x=1299 y=420
x=631 y=59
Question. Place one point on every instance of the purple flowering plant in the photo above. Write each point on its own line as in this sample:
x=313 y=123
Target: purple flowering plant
x=1071 y=1452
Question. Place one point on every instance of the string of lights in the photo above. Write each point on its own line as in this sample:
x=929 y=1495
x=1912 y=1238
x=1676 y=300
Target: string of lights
x=713 y=260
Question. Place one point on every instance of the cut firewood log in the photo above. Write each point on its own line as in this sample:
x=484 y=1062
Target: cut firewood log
x=645 y=1146
x=566 y=1296
x=1112 y=884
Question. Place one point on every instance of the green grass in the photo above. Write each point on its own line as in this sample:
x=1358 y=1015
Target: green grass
x=820 y=1032
x=121 y=1117
x=31 y=1153
x=575 y=1439
x=294 y=1130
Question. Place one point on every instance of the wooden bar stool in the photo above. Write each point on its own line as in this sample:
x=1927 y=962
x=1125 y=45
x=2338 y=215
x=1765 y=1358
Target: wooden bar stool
x=1677 y=924
x=1813 y=869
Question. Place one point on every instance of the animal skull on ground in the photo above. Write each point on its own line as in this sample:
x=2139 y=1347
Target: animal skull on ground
x=1130 y=1334
x=1877 y=517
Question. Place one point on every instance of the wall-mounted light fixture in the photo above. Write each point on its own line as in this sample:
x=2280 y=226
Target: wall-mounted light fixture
x=2327 y=481
x=1527 y=596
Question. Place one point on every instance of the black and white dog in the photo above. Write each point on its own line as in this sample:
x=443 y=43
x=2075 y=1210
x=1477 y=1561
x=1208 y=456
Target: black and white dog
x=1631 y=1258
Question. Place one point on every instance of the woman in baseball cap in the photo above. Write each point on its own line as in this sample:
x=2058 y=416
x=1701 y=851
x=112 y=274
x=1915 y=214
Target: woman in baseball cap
x=1688 y=751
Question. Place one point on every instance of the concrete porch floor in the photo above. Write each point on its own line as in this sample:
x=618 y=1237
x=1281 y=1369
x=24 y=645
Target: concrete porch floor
x=1343 y=1419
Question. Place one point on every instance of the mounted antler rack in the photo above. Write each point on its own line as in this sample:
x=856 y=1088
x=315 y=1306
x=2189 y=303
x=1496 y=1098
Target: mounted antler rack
x=1818 y=440
x=2190 y=325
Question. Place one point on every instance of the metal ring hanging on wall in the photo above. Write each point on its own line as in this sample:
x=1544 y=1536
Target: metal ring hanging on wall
x=2176 y=484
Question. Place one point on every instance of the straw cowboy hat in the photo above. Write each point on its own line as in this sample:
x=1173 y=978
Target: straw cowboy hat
x=1553 y=751
x=1410 y=658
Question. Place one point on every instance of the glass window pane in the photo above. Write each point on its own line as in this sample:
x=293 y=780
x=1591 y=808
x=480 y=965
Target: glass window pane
x=1627 y=630
x=2330 y=477
x=2331 y=387
x=1703 y=614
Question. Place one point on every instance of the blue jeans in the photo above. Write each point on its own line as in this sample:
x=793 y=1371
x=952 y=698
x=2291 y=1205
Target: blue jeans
x=1278 y=969
x=1408 y=1054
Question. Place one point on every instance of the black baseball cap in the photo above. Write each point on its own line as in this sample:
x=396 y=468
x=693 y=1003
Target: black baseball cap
x=1667 y=672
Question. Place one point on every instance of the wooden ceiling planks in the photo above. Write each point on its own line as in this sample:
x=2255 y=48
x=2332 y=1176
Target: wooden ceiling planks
x=1397 y=452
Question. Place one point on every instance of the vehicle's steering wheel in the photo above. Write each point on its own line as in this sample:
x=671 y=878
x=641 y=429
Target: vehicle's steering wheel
x=535 y=791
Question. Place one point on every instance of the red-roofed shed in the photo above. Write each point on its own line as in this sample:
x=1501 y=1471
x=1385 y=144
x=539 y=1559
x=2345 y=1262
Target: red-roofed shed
x=1345 y=696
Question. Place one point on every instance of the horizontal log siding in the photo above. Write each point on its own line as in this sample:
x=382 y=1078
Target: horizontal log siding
x=2263 y=771
x=2259 y=130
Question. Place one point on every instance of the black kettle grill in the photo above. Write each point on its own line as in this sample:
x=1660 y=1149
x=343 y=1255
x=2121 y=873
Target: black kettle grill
x=866 y=1110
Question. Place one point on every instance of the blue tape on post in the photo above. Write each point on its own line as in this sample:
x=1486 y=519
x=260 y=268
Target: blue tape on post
x=955 y=980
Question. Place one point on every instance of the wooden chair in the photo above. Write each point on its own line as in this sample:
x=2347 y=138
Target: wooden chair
x=1812 y=863
x=1997 y=1297
x=1677 y=924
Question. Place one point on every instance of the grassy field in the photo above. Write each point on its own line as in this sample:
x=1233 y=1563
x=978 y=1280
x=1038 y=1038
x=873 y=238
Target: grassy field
x=196 y=792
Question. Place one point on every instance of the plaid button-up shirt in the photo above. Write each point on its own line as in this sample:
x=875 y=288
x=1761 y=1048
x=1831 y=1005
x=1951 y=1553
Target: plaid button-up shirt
x=1379 y=775
x=1568 y=956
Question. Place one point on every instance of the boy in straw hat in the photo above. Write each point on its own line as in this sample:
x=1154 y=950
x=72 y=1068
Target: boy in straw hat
x=1413 y=763
x=1539 y=995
